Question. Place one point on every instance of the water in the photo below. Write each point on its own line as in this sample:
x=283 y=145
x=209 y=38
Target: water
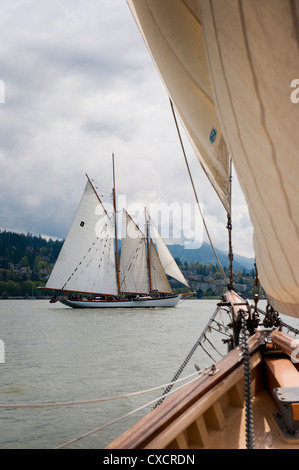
x=56 y=354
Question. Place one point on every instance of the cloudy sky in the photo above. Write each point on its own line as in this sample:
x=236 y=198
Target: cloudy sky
x=77 y=85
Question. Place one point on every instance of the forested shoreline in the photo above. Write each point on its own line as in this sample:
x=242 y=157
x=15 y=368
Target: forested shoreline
x=27 y=260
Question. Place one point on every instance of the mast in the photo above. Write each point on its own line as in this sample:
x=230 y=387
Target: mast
x=229 y=228
x=148 y=252
x=115 y=228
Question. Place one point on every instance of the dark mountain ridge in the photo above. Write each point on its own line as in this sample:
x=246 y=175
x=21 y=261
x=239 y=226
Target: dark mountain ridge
x=14 y=246
x=205 y=255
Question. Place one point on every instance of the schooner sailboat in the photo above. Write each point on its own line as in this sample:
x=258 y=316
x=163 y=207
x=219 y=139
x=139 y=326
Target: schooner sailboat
x=229 y=68
x=90 y=272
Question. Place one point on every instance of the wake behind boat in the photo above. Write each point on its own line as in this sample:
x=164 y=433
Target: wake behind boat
x=89 y=272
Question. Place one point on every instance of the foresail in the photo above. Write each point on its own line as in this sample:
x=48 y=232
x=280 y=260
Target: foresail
x=253 y=52
x=159 y=281
x=133 y=259
x=86 y=262
x=169 y=265
x=173 y=34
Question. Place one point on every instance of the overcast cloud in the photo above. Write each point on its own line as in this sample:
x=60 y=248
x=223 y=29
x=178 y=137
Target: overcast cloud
x=80 y=85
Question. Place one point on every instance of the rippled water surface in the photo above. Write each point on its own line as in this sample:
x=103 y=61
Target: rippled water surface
x=56 y=354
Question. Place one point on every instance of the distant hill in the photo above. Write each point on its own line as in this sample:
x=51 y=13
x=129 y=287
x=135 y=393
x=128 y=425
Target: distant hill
x=205 y=255
x=14 y=246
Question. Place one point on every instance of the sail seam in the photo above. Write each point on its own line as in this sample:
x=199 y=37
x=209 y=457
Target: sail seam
x=295 y=19
x=209 y=97
x=235 y=118
x=273 y=153
x=79 y=264
x=191 y=12
x=90 y=260
x=257 y=190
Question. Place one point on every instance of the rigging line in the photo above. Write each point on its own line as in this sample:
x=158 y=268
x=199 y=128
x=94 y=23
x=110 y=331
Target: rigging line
x=188 y=357
x=196 y=197
x=211 y=357
x=286 y=325
x=220 y=331
x=229 y=229
x=97 y=400
x=212 y=345
x=119 y=419
x=84 y=257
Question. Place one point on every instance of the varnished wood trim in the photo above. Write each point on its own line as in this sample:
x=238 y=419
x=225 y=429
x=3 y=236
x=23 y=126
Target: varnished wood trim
x=143 y=433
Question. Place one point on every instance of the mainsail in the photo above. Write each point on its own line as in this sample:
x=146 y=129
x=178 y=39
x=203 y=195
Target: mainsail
x=133 y=259
x=250 y=56
x=142 y=270
x=173 y=33
x=86 y=262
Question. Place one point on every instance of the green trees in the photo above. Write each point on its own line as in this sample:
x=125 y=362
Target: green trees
x=25 y=263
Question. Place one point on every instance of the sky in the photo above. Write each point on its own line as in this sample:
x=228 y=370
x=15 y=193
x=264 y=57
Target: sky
x=77 y=84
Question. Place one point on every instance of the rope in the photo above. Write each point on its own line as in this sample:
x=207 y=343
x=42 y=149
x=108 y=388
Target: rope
x=196 y=197
x=188 y=357
x=97 y=400
x=121 y=418
x=207 y=339
x=207 y=353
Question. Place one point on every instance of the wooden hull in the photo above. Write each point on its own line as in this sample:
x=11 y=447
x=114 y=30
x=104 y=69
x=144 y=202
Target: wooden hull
x=210 y=412
x=171 y=301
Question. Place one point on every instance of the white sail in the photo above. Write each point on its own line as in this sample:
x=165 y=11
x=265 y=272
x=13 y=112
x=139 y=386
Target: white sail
x=133 y=258
x=169 y=265
x=86 y=262
x=173 y=33
x=253 y=52
x=159 y=281
x=252 y=55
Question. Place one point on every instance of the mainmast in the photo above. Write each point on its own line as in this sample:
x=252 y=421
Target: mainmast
x=115 y=228
x=148 y=252
x=229 y=228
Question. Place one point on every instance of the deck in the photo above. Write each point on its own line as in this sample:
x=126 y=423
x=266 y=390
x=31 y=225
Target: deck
x=210 y=413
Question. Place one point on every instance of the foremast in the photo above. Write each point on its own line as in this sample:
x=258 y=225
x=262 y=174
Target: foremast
x=148 y=241
x=115 y=229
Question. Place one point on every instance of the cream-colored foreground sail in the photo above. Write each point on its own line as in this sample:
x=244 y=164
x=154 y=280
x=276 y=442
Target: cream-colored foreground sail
x=229 y=67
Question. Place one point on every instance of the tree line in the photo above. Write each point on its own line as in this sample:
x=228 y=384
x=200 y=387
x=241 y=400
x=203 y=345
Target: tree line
x=25 y=263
